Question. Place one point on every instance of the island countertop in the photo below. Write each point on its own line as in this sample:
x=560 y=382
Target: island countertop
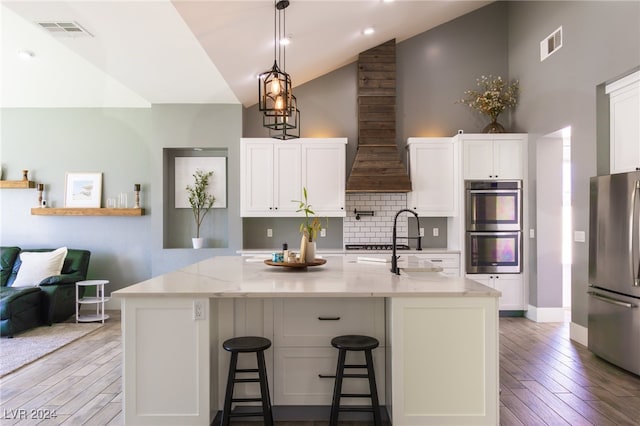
x=340 y=276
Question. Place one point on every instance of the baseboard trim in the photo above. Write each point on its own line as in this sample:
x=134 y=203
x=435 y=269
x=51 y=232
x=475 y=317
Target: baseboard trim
x=545 y=314
x=579 y=334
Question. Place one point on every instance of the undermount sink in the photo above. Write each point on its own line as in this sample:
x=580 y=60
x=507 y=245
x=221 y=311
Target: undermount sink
x=414 y=264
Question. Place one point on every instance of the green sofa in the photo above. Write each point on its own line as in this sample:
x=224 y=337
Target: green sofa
x=52 y=300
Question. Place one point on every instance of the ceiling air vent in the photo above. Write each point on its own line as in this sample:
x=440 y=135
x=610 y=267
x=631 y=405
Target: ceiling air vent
x=64 y=28
x=551 y=44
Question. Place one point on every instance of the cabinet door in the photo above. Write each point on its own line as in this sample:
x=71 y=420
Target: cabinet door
x=625 y=128
x=478 y=159
x=323 y=165
x=286 y=178
x=306 y=375
x=507 y=159
x=256 y=190
x=512 y=288
x=434 y=176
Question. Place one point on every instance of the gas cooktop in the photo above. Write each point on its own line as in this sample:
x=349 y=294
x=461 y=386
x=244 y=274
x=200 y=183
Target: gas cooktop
x=375 y=247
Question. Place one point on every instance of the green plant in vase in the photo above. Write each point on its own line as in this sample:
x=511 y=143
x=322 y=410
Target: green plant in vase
x=309 y=228
x=200 y=200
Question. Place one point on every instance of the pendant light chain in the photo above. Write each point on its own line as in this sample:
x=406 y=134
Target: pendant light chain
x=275 y=95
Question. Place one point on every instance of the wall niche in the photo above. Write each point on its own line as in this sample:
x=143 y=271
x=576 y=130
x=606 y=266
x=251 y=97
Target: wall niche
x=178 y=221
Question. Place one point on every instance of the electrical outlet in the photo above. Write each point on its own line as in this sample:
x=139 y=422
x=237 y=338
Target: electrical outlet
x=269 y=232
x=323 y=232
x=198 y=310
x=532 y=233
x=422 y=232
x=436 y=232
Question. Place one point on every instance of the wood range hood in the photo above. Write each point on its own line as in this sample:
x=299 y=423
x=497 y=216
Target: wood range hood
x=377 y=166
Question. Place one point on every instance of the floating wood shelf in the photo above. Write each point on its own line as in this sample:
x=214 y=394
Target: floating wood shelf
x=17 y=184
x=82 y=211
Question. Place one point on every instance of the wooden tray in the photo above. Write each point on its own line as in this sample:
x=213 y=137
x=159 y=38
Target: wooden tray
x=316 y=262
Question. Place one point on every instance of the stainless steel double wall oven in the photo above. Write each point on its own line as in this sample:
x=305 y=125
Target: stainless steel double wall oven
x=493 y=216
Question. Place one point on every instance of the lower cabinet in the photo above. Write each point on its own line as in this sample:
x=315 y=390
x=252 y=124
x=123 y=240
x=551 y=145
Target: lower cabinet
x=511 y=286
x=306 y=375
x=304 y=360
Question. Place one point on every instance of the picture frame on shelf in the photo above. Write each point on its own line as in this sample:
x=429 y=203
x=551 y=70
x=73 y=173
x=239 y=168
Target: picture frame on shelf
x=83 y=190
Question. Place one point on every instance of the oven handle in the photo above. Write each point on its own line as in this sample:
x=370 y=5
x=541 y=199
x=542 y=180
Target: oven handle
x=611 y=300
x=493 y=191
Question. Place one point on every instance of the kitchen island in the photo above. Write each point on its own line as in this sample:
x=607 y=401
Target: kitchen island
x=439 y=337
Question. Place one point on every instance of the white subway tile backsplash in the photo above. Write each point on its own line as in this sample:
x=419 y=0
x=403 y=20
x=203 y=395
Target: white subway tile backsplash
x=379 y=228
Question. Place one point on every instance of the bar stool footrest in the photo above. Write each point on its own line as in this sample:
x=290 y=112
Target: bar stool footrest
x=356 y=376
x=246 y=400
x=246 y=380
x=247 y=414
x=355 y=395
x=356 y=409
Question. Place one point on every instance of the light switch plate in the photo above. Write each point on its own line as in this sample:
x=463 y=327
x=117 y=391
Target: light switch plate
x=579 y=236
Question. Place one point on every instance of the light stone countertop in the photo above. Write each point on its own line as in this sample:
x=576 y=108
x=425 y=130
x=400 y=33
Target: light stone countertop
x=341 y=276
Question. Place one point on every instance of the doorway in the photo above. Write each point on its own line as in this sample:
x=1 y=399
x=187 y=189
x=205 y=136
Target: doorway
x=553 y=214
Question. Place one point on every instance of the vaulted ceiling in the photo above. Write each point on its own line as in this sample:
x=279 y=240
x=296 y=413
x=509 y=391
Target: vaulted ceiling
x=136 y=53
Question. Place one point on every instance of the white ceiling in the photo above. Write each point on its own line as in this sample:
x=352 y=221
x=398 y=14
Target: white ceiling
x=202 y=51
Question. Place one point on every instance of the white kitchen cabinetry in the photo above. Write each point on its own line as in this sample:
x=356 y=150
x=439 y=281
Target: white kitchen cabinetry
x=449 y=262
x=305 y=361
x=270 y=178
x=624 y=110
x=511 y=286
x=273 y=173
x=493 y=156
x=323 y=174
x=434 y=171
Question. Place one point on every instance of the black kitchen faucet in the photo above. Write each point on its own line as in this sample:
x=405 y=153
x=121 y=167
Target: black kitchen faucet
x=394 y=258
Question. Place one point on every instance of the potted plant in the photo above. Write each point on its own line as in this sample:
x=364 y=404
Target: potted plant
x=200 y=200
x=309 y=229
x=493 y=97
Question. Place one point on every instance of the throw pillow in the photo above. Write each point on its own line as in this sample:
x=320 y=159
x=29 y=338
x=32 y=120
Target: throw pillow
x=37 y=266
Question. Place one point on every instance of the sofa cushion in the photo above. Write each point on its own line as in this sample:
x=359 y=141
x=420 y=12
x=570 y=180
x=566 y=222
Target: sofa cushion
x=35 y=266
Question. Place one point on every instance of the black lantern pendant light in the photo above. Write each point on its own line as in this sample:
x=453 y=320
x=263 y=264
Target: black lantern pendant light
x=275 y=95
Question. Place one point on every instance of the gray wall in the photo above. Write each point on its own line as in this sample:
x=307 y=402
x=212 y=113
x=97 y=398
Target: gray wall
x=126 y=145
x=51 y=142
x=601 y=42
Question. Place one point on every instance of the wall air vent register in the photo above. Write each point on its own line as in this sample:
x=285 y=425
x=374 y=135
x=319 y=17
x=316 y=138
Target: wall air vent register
x=551 y=44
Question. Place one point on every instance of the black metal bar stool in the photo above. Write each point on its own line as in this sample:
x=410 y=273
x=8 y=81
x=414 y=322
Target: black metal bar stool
x=355 y=343
x=247 y=344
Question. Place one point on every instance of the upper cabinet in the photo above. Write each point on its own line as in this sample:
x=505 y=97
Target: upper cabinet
x=624 y=107
x=273 y=173
x=434 y=170
x=323 y=174
x=493 y=156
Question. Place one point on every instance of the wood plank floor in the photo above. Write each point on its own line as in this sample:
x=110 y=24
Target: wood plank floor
x=546 y=379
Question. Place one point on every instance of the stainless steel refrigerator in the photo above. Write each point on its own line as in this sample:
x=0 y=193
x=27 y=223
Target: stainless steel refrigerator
x=614 y=269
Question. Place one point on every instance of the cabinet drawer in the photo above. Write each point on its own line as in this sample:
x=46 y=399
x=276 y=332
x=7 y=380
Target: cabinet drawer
x=298 y=378
x=315 y=321
x=449 y=262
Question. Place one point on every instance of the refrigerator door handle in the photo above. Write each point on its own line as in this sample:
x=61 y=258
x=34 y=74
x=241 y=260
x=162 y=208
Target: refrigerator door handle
x=634 y=260
x=611 y=300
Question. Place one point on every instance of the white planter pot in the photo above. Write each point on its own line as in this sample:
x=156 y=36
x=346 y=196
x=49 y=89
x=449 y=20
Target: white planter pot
x=197 y=242
x=310 y=254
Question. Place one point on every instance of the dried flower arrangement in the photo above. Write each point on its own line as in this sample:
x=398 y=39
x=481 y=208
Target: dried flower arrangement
x=494 y=96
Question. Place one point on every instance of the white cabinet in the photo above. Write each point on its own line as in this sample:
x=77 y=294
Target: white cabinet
x=434 y=170
x=624 y=107
x=323 y=174
x=511 y=286
x=493 y=156
x=305 y=361
x=273 y=173
x=449 y=262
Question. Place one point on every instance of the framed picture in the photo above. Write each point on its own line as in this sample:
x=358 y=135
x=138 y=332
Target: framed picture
x=83 y=190
x=185 y=167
